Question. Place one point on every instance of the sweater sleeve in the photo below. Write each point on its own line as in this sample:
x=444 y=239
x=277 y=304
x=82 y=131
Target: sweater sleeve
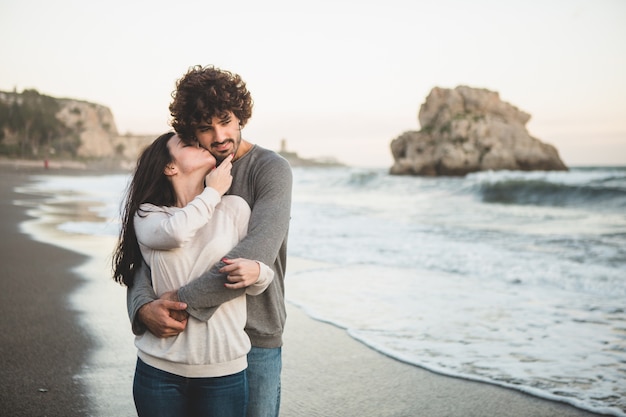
x=266 y=275
x=138 y=294
x=162 y=230
x=268 y=227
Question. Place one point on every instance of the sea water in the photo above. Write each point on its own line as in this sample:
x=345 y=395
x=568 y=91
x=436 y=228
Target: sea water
x=512 y=278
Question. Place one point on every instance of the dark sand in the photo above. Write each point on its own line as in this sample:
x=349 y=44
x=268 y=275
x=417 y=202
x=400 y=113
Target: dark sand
x=326 y=373
x=42 y=346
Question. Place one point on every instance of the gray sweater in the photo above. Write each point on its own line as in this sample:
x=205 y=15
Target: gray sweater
x=264 y=180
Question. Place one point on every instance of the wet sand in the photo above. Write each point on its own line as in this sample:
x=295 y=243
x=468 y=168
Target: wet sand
x=47 y=348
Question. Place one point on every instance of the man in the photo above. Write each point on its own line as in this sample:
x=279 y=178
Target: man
x=211 y=106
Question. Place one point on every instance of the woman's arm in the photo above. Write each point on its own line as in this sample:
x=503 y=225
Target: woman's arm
x=160 y=230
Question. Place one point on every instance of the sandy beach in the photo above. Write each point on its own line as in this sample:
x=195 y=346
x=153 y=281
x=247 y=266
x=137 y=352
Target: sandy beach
x=48 y=346
x=42 y=346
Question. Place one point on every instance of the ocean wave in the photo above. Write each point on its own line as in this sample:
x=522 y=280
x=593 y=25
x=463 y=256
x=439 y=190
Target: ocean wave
x=597 y=188
x=546 y=193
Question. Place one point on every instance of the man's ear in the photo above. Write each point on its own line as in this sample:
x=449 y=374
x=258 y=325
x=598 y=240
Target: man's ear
x=170 y=169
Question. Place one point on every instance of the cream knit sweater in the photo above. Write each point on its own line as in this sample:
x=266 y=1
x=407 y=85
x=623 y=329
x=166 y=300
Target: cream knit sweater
x=179 y=244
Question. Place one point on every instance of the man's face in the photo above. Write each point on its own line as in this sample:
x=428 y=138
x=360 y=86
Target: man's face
x=221 y=135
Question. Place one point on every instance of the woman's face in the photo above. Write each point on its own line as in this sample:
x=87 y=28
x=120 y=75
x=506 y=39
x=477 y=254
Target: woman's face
x=190 y=158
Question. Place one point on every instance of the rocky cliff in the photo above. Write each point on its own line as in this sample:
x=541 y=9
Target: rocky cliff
x=34 y=125
x=98 y=132
x=95 y=124
x=467 y=130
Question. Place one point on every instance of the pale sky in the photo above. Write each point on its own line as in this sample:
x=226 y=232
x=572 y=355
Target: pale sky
x=337 y=78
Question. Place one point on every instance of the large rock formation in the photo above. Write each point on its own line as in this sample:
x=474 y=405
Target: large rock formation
x=467 y=130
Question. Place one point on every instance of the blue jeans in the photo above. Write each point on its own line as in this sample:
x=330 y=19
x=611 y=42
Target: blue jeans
x=161 y=394
x=264 y=366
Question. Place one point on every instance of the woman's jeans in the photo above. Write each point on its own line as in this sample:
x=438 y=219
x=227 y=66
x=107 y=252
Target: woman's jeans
x=264 y=367
x=160 y=394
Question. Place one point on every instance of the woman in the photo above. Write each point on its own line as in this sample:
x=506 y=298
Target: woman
x=178 y=220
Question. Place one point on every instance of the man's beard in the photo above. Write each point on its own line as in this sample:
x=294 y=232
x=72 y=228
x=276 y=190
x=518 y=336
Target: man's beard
x=220 y=157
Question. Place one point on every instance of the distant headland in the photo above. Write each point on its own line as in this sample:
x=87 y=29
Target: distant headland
x=297 y=161
x=35 y=126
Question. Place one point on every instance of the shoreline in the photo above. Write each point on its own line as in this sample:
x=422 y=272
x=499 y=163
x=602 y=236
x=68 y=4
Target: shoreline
x=318 y=355
x=325 y=371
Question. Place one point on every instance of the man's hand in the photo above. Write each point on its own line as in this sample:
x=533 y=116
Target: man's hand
x=158 y=316
x=180 y=315
x=241 y=272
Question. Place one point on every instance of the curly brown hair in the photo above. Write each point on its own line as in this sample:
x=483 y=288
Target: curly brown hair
x=205 y=92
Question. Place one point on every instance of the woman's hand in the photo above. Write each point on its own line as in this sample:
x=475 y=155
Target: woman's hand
x=220 y=178
x=241 y=272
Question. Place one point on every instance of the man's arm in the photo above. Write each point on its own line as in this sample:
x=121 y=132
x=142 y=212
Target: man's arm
x=147 y=312
x=268 y=226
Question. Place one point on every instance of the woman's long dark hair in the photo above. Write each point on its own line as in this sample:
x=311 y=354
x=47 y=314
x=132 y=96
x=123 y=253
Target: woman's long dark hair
x=149 y=185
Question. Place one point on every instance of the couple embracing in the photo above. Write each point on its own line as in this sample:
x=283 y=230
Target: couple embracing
x=203 y=250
